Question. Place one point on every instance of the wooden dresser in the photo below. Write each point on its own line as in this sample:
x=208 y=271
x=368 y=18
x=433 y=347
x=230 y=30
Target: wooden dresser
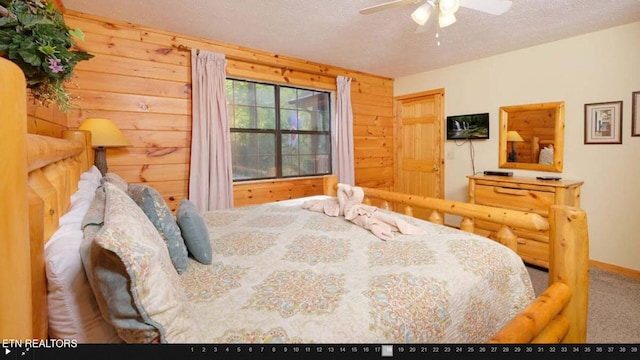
x=525 y=194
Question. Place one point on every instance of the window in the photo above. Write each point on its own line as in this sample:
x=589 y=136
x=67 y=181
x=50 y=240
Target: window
x=278 y=131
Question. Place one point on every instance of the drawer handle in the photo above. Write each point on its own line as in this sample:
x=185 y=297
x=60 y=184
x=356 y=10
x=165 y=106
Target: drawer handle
x=509 y=191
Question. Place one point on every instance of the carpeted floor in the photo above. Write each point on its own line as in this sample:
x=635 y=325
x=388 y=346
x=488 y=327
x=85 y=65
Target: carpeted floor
x=614 y=305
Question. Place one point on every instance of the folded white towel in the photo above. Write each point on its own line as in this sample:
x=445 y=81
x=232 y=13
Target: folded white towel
x=348 y=203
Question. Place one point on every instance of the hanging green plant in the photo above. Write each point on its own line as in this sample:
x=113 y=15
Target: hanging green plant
x=34 y=36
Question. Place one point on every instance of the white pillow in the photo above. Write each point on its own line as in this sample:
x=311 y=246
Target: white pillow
x=76 y=212
x=87 y=184
x=82 y=198
x=93 y=174
x=546 y=156
x=73 y=310
x=89 y=181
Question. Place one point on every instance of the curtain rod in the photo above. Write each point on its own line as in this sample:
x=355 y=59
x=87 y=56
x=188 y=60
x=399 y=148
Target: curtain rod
x=182 y=48
x=185 y=48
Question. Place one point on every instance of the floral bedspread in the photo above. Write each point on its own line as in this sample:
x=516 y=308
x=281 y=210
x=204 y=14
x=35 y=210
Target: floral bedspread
x=281 y=273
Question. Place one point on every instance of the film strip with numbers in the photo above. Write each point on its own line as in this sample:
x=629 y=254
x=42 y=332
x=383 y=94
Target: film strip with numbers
x=453 y=351
x=346 y=351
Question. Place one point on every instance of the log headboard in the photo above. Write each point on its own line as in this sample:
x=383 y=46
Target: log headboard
x=39 y=174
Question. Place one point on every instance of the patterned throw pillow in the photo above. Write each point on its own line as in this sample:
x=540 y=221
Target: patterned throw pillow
x=194 y=231
x=156 y=209
x=95 y=214
x=115 y=179
x=133 y=278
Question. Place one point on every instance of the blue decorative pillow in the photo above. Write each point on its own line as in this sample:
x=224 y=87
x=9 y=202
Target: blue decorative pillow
x=156 y=209
x=194 y=232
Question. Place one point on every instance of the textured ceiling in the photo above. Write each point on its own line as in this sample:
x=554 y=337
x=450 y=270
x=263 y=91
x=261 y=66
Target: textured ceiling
x=385 y=43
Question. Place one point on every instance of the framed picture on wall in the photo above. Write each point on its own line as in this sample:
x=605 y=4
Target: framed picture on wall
x=603 y=123
x=635 y=114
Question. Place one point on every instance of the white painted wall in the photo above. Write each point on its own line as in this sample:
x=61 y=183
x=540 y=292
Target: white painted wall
x=597 y=67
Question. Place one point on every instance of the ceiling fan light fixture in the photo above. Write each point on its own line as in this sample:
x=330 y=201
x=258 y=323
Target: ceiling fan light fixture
x=422 y=13
x=444 y=9
x=445 y=20
x=448 y=7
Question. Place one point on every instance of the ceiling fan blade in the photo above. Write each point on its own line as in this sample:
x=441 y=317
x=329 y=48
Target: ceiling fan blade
x=493 y=7
x=387 y=5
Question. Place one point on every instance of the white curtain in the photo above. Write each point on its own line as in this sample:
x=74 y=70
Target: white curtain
x=343 y=159
x=210 y=175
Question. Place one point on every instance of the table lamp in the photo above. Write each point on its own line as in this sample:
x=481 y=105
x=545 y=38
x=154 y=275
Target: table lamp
x=104 y=134
x=514 y=137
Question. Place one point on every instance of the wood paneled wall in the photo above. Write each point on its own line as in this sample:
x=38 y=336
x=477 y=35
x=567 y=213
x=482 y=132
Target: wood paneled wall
x=141 y=79
x=47 y=121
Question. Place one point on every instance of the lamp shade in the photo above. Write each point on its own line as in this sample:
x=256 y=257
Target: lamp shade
x=445 y=20
x=421 y=14
x=449 y=7
x=104 y=133
x=514 y=136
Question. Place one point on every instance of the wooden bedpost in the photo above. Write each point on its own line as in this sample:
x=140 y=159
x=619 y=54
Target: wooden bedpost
x=83 y=137
x=559 y=314
x=15 y=296
x=572 y=268
x=330 y=185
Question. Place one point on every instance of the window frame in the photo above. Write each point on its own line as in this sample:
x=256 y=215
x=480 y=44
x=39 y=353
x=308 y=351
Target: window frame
x=278 y=132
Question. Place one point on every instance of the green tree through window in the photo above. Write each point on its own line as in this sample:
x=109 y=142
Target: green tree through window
x=278 y=131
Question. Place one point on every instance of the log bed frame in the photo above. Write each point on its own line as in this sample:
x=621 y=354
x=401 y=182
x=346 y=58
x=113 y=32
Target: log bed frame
x=40 y=173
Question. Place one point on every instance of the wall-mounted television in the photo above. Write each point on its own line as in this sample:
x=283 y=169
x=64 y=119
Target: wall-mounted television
x=468 y=127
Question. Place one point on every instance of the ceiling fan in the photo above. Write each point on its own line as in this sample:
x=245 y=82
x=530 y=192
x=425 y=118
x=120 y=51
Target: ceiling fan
x=445 y=9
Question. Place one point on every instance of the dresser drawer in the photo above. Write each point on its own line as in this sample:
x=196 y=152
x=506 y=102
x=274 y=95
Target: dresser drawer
x=534 y=252
x=512 y=198
x=532 y=249
x=524 y=194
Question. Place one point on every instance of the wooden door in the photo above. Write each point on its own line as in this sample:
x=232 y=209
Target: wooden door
x=419 y=145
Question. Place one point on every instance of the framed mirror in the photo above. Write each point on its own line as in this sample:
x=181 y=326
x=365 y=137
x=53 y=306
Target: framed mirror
x=532 y=137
